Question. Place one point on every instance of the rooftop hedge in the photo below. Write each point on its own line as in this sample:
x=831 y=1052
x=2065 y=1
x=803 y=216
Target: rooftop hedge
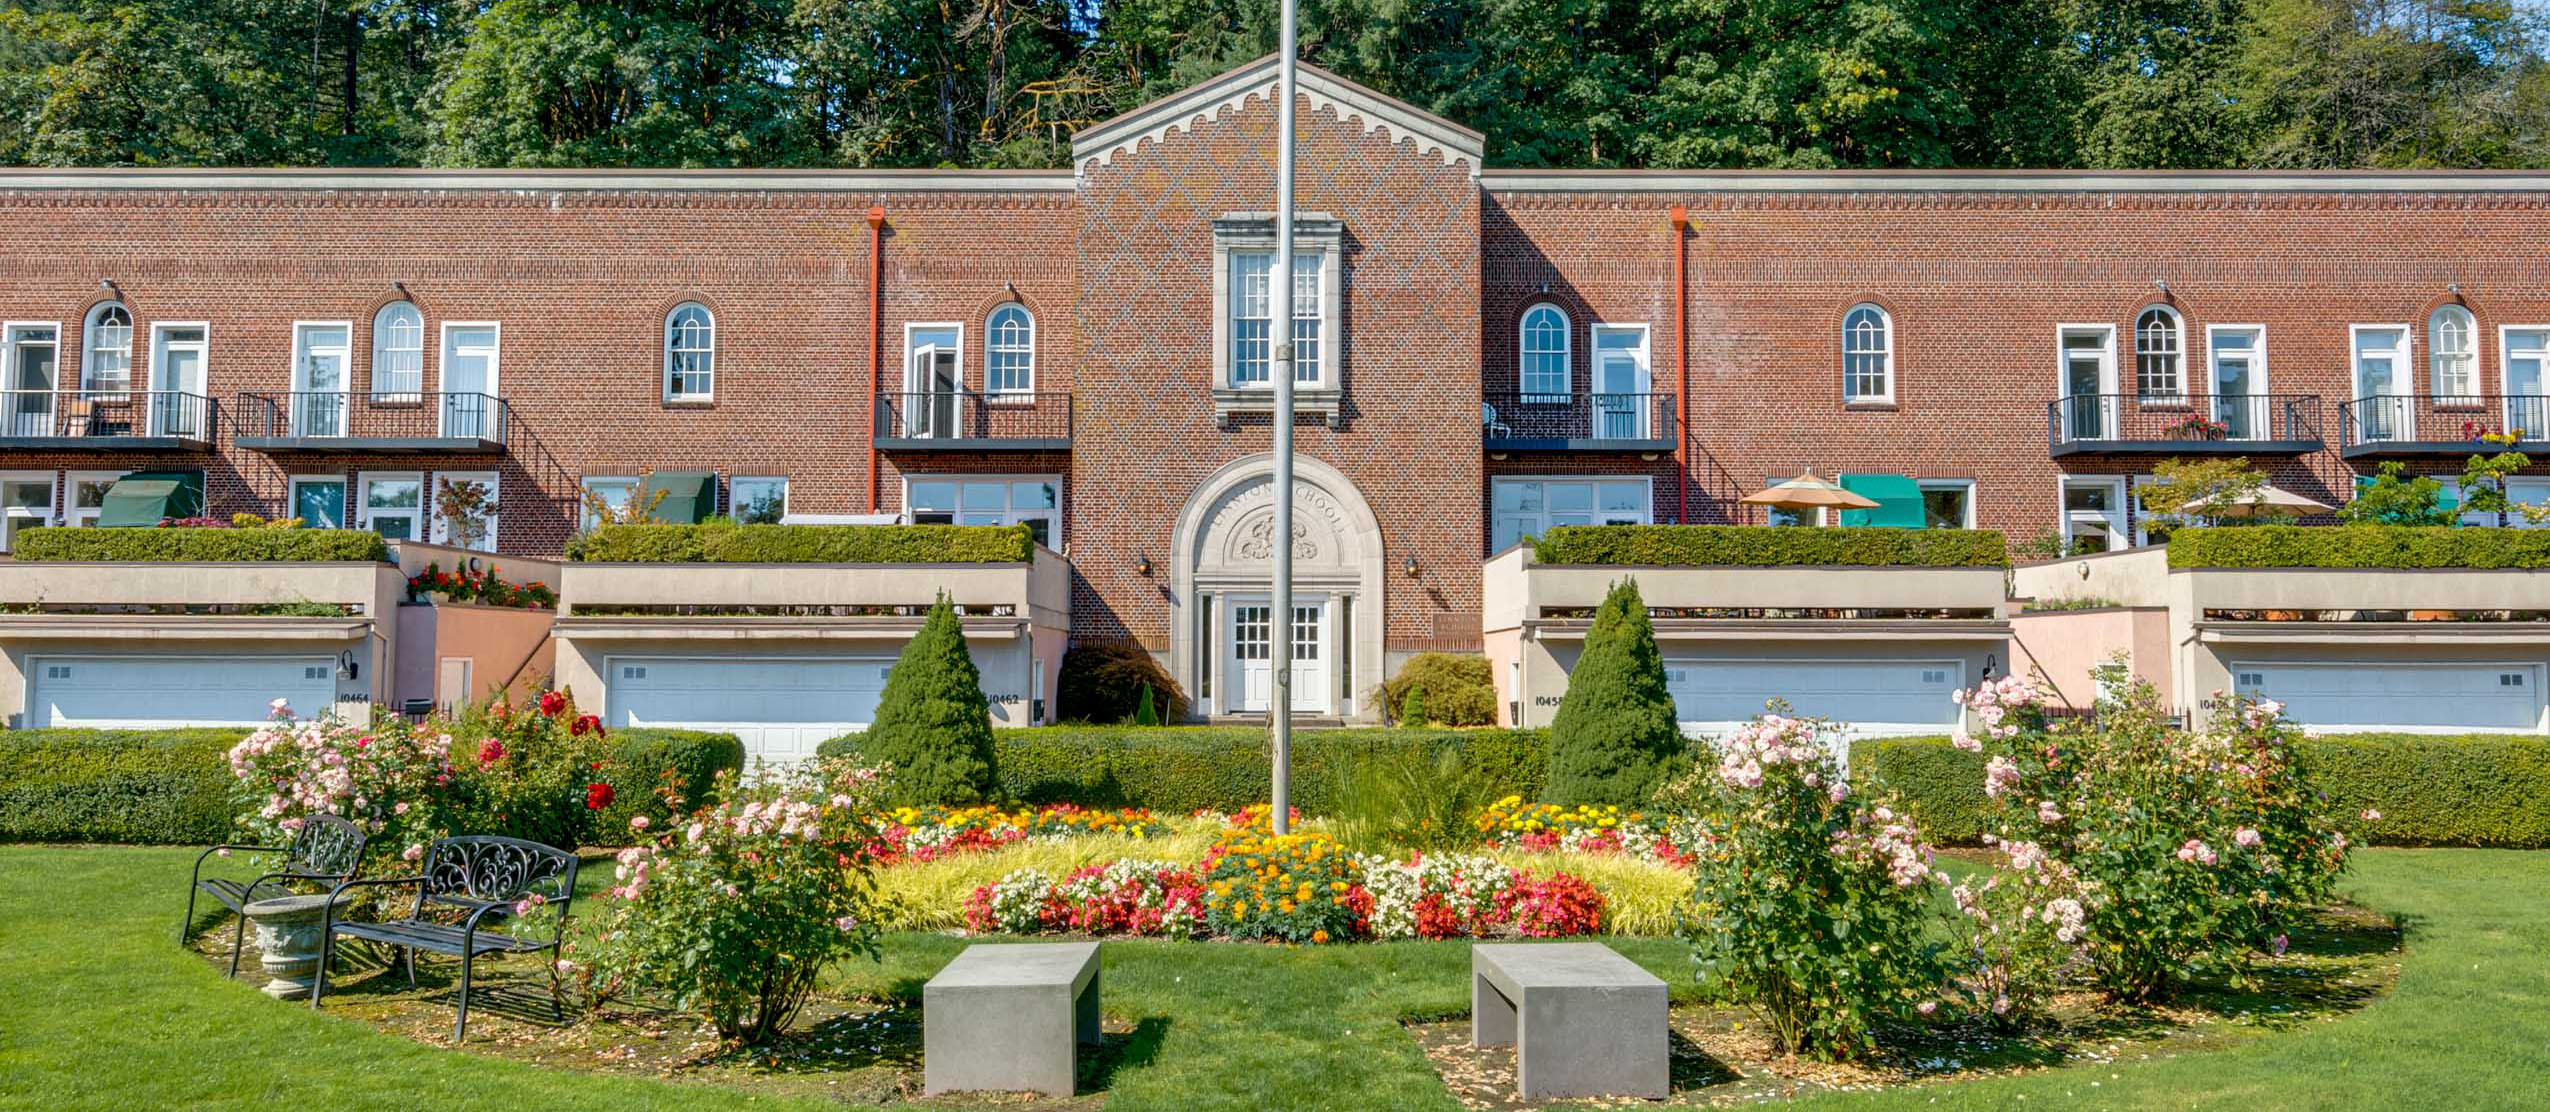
x=2359 y=546
x=804 y=544
x=203 y=544
x=1771 y=546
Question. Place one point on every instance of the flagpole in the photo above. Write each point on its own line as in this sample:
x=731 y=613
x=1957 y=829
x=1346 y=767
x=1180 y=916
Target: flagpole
x=1279 y=715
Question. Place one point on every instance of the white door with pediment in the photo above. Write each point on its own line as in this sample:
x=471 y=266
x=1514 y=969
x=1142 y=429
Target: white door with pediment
x=1224 y=624
x=1250 y=663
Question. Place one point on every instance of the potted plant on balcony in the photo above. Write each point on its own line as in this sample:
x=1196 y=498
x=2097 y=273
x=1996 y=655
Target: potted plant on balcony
x=2196 y=426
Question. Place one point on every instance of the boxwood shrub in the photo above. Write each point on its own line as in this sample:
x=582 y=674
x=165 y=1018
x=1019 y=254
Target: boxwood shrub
x=2359 y=546
x=2432 y=790
x=1180 y=769
x=150 y=787
x=804 y=544
x=1767 y=545
x=643 y=760
x=182 y=544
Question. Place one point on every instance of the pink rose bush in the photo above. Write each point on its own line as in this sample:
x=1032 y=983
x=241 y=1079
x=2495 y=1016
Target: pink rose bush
x=391 y=781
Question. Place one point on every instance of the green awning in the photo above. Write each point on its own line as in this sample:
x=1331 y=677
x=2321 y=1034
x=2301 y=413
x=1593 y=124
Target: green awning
x=689 y=496
x=2446 y=498
x=142 y=499
x=1898 y=500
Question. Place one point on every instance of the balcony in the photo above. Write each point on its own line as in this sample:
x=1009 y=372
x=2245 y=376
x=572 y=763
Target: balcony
x=951 y=421
x=2249 y=425
x=345 y=422
x=1520 y=422
x=2442 y=424
x=106 y=420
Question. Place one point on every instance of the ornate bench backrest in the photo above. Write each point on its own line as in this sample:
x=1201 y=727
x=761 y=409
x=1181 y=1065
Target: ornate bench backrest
x=327 y=845
x=476 y=869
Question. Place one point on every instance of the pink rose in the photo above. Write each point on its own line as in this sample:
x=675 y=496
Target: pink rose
x=2247 y=837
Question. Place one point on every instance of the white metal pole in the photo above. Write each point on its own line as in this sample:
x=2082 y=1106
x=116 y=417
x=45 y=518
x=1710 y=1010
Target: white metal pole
x=1279 y=715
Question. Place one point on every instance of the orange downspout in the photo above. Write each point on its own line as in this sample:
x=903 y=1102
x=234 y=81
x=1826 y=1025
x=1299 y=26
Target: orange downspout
x=1681 y=217
x=876 y=338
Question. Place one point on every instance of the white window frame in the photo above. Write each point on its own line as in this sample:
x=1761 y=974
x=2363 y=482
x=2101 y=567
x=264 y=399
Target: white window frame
x=2258 y=368
x=2110 y=387
x=585 y=485
x=911 y=369
x=1529 y=392
x=89 y=351
x=435 y=530
x=161 y=345
x=2178 y=336
x=72 y=513
x=1643 y=423
x=2506 y=379
x=1009 y=509
x=1968 y=486
x=993 y=349
x=424 y=509
x=345 y=495
x=1886 y=331
x=52 y=514
x=2539 y=487
x=489 y=418
x=735 y=502
x=2119 y=519
x=1314 y=234
x=1646 y=483
x=2436 y=352
x=295 y=384
x=382 y=350
x=9 y=344
x=2403 y=360
x=667 y=379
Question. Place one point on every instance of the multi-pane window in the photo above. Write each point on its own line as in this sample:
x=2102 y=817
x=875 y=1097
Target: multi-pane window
x=86 y=500
x=1009 y=351
x=398 y=351
x=757 y=500
x=2094 y=514
x=690 y=352
x=1544 y=371
x=1033 y=502
x=26 y=501
x=2159 y=356
x=1307 y=630
x=394 y=506
x=1253 y=317
x=1868 y=355
x=2453 y=345
x=109 y=366
x=1532 y=507
x=1250 y=637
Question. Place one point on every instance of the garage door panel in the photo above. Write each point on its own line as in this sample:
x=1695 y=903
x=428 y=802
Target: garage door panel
x=2400 y=696
x=1871 y=696
x=155 y=692
x=782 y=708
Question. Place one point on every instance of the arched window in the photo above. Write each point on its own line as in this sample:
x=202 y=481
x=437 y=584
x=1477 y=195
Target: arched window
x=108 y=367
x=690 y=352
x=2452 y=342
x=1545 y=349
x=1868 y=355
x=1009 y=351
x=398 y=351
x=2159 y=355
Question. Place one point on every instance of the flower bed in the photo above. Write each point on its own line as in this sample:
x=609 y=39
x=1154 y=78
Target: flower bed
x=485 y=588
x=1550 y=828
x=930 y=833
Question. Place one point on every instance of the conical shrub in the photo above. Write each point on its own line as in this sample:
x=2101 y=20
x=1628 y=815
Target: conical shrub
x=1615 y=739
x=933 y=726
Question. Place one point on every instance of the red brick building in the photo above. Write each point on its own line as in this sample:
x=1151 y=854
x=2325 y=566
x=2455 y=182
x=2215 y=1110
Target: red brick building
x=1497 y=351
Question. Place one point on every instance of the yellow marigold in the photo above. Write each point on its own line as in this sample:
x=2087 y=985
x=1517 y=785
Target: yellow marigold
x=1303 y=893
x=1336 y=886
x=1285 y=906
x=1319 y=936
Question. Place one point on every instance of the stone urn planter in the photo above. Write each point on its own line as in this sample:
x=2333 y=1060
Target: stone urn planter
x=288 y=942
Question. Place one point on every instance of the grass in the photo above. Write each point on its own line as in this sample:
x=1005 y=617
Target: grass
x=102 y=1011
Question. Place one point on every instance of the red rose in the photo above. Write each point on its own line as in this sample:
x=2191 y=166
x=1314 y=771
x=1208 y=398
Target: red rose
x=584 y=724
x=597 y=795
x=551 y=702
x=490 y=751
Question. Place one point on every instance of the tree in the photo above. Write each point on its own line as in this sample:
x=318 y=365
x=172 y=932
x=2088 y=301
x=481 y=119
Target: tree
x=933 y=727
x=1615 y=736
x=2397 y=498
x=2210 y=486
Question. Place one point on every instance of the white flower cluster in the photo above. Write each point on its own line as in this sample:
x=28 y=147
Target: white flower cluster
x=1019 y=899
x=1772 y=739
x=1468 y=885
x=1991 y=702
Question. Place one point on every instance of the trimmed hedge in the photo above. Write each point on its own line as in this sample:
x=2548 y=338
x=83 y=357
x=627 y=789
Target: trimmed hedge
x=642 y=759
x=1181 y=769
x=2432 y=790
x=180 y=544
x=804 y=544
x=146 y=787
x=1770 y=546
x=2359 y=546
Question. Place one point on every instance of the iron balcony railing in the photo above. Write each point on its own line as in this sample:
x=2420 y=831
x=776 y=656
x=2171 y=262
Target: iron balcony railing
x=2220 y=422
x=963 y=419
x=2449 y=423
x=125 y=416
x=1517 y=419
x=397 y=419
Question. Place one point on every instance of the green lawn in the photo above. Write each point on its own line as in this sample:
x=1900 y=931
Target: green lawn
x=99 y=1010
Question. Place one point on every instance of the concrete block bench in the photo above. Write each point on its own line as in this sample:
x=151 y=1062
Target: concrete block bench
x=1584 y=1021
x=1009 y=1018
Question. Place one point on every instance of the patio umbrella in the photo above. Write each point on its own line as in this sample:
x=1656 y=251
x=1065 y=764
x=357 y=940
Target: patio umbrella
x=1809 y=492
x=2275 y=501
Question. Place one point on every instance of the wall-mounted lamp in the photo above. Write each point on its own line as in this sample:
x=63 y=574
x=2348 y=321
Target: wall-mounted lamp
x=2454 y=289
x=1010 y=288
x=1142 y=566
x=1991 y=664
x=1544 y=287
x=399 y=286
x=2162 y=284
x=109 y=284
x=1410 y=567
x=346 y=668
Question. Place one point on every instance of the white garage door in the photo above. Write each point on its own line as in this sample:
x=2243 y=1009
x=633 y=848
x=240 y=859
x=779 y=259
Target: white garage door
x=782 y=707
x=151 y=692
x=2415 y=698
x=1872 y=697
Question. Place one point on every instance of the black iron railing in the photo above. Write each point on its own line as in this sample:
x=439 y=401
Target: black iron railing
x=2233 y=422
x=326 y=415
x=1517 y=419
x=965 y=419
x=2443 y=420
x=74 y=415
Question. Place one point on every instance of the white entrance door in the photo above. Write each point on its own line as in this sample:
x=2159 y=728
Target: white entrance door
x=318 y=379
x=1871 y=697
x=144 y=692
x=178 y=407
x=780 y=707
x=2527 y=384
x=2089 y=374
x=34 y=359
x=2240 y=385
x=1251 y=662
x=1620 y=382
x=2408 y=698
x=2382 y=401
x=469 y=380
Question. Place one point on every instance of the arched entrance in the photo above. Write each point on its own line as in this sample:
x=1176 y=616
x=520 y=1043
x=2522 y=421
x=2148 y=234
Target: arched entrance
x=1222 y=623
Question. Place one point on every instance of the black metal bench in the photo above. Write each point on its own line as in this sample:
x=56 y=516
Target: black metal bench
x=482 y=877
x=327 y=848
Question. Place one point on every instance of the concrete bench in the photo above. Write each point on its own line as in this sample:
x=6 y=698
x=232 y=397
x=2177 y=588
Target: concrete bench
x=1009 y=1018
x=1584 y=1021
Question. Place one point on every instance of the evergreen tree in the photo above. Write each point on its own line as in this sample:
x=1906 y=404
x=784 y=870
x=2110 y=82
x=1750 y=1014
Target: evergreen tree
x=1615 y=737
x=933 y=726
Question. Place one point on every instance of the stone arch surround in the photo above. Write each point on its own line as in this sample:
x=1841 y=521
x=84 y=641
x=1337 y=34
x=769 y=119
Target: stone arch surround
x=1225 y=540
